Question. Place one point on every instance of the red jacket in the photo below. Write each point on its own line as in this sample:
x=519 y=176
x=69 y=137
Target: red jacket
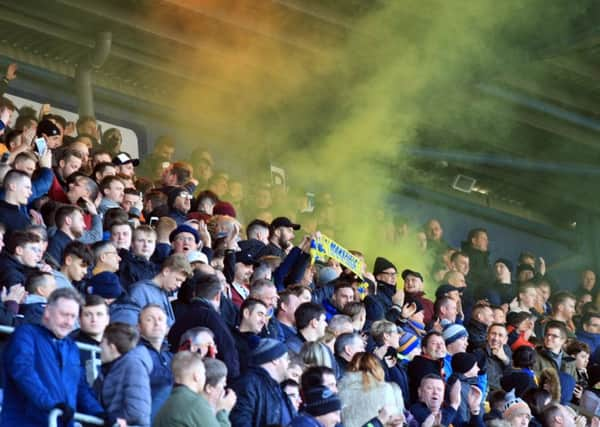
x=57 y=192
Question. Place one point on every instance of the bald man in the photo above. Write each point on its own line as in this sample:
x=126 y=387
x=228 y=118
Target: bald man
x=187 y=406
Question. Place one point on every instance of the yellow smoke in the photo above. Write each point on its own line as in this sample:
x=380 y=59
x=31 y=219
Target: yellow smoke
x=337 y=106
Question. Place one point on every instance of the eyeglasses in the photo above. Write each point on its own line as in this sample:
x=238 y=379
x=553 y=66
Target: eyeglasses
x=185 y=239
x=392 y=273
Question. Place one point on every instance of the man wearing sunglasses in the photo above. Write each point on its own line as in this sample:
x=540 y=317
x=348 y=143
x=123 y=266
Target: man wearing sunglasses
x=179 y=202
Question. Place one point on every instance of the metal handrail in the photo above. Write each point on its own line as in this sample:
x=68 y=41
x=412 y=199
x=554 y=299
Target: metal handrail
x=93 y=349
x=6 y=329
x=55 y=413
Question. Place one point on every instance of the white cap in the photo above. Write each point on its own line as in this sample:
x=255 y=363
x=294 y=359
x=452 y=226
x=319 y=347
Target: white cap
x=197 y=256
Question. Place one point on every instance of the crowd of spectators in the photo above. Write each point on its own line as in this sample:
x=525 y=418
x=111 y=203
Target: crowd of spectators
x=208 y=311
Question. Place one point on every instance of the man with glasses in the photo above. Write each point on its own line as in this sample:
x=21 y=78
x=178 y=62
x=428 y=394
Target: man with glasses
x=184 y=239
x=387 y=296
x=106 y=257
x=179 y=202
x=20 y=259
x=551 y=355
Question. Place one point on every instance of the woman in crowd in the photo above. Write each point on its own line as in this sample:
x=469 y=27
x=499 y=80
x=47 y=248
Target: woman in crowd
x=364 y=392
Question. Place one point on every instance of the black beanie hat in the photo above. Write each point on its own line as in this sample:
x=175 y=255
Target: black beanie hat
x=48 y=128
x=266 y=351
x=463 y=362
x=382 y=264
x=320 y=400
x=506 y=262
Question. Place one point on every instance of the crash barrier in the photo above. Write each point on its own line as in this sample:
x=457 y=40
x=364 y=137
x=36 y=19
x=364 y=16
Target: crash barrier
x=81 y=418
x=92 y=366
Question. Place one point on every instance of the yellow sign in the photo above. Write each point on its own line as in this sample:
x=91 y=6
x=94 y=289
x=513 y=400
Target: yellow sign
x=323 y=247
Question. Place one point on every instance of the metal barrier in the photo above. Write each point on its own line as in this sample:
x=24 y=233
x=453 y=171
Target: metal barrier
x=91 y=368
x=88 y=419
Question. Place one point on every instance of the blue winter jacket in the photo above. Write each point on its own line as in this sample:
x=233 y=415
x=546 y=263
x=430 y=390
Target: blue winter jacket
x=123 y=387
x=593 y=340
x=124 y=310
x=42 y=371
x=147 y=292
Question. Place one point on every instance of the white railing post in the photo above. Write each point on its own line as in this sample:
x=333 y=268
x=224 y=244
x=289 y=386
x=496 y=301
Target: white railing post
x=88 y=419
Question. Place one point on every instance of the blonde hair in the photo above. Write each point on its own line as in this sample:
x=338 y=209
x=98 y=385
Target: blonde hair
x=316 y=354
x=178 y=263
x=369 y=366
x=165 y=225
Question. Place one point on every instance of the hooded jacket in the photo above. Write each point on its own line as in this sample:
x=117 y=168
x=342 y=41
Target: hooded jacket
x=202 y=313
x=135 y=268
x=377 y=305
x=123 y=387
x=12 y=271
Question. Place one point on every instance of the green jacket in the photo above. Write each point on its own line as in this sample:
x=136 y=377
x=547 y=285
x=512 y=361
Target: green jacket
x=544 y=361
x=184 y=408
